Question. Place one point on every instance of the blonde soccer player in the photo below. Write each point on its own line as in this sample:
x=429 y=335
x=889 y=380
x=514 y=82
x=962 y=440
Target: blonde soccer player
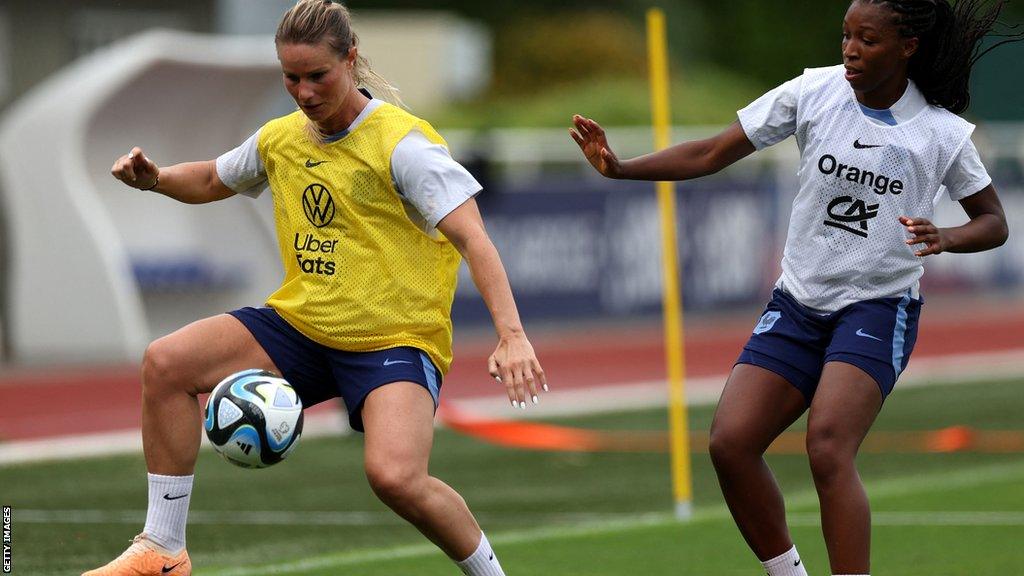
x=372 y=216
x=879 y=137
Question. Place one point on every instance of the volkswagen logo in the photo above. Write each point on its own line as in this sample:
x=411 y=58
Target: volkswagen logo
x=318 y=205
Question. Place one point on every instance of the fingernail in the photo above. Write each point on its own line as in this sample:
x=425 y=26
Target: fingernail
x=545 y=387
x=514 y=405
x=522 y=405
x=534 y=399
x=497 y=379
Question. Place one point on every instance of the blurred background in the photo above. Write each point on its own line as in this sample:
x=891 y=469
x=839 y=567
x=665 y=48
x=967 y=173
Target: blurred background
x=91 y=271
x=83 y=81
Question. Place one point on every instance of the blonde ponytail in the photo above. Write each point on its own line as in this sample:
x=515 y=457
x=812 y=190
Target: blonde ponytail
x=375 y=83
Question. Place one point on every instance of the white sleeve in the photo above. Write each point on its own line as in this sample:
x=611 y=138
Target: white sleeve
x=242 y=169
x=967 y=175
x=428 y=178
x=772 y=118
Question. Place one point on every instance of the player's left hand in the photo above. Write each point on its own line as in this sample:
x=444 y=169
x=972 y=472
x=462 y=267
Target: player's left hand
x=924 y=232
x=514 y=364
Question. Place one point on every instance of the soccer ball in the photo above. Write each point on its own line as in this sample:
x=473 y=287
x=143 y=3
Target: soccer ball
x=253 y=418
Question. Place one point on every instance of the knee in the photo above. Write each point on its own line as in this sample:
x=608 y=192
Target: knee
x=396 y=485
x=727 y=447
x=161 y=370
x=829 y=455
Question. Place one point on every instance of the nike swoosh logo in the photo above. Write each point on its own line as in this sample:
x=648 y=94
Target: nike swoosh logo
x=165 y=569
x=861 y=332
x=169 y=497
x=389 y=362
x=797 y=563
x=491 y=558
x=311 y=164
x=859 y=146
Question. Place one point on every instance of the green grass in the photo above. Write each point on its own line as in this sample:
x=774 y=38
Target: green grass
x=702 y=96
x=547 y=513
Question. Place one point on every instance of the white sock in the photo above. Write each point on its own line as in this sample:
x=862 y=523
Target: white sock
x=168 y=510
x=483 y=562
x=786 y=564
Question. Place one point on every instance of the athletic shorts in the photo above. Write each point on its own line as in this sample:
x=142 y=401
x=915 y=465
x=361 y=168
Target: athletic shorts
x=796 y=342
x=319 y=373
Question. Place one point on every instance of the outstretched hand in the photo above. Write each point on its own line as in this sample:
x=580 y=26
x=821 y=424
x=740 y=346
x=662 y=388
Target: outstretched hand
x=514 y=365
x=924 y=232
x=135 y=170
x=589 y=136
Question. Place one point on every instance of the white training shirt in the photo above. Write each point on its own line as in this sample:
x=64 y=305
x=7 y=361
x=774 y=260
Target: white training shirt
x=430 y=181
x=857 y=176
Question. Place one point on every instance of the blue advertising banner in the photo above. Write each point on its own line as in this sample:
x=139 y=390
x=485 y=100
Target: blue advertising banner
x=591 y=248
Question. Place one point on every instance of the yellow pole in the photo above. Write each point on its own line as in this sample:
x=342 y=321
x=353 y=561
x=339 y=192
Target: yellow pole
x=682 y=489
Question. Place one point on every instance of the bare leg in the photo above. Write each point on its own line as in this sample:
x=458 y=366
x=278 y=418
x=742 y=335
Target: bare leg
x=756 y=406
x=178 y=367
x=844 y=408
x=175 y=369
x=399 y=423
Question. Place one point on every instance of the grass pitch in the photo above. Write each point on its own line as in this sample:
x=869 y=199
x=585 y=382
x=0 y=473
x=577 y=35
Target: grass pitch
x=546 y=513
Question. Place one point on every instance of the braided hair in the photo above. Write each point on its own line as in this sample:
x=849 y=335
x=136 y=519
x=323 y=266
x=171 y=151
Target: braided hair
x=950 y=44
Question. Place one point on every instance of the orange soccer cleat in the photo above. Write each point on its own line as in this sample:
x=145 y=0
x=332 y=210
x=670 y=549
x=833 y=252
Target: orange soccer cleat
x=145 y=558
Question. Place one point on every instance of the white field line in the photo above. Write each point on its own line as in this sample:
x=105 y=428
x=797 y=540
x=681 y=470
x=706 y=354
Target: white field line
x=933 y=371
x=936 y=481
x=285 y=518
x=130 y=441
x=296 y=518
x=958 y=518
x=960 y=368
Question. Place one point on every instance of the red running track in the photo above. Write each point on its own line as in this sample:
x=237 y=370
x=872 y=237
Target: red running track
x=56 y=402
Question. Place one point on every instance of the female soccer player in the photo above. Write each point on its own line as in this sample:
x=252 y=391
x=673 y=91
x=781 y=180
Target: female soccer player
x=372 y=215
x=879 y=136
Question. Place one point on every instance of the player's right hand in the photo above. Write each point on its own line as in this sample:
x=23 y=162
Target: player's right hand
x=591 y=139
x=135 y=170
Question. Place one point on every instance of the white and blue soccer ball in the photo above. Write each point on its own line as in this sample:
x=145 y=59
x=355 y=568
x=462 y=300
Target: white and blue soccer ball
x=253 y=418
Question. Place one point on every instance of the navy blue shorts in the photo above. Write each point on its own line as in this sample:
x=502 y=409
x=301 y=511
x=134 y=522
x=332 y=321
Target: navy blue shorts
x=320 y=373
x=796 y=342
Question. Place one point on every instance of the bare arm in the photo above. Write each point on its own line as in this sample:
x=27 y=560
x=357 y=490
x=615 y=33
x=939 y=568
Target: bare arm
x=986 y=229
x=514 y=360
x=189 y=182
x=680 y=162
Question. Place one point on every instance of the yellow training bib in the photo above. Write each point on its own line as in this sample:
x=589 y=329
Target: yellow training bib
x=359 y=275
